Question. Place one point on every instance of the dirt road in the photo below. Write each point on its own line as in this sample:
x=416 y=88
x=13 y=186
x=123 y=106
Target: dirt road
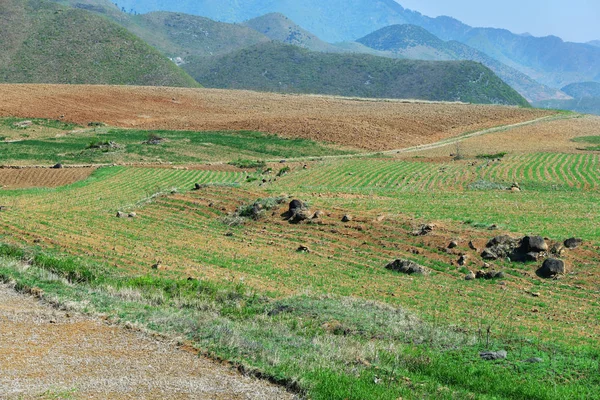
x=46 y=353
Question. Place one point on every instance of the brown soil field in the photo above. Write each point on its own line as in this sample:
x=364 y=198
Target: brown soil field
x=547 y=136
x=11 y=178
x=49 y=354
x=359 y=123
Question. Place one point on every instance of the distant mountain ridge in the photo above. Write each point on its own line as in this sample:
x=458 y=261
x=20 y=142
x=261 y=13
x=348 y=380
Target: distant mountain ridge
x=284 y=68
x=44 y=42
x=414 y=42
x=583 y=89
x=548 y=60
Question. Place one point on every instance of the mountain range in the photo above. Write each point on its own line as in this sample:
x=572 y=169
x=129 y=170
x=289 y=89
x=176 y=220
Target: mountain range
x=549 y=60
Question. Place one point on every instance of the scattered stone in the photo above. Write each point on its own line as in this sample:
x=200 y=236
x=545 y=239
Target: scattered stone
x=318 y=214
x=303 y=249
x=120 y=214
x=573 y=243
x=132 y=215
x=346 y=218
x=557 y=250
x=23 y=124
x=489 y=275
x=424 y=230
x=158 y=265
x=57 y=166
x=229 y=234
x=197 y=186
x=407 y=267
x=551 y=268
x=472 y=246
x=493 y=227
x=470 y=276
x=453 y=244
x=462 y=260
x=493 y=355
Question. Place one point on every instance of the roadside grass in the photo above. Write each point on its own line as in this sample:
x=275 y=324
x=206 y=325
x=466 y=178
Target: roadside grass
x=176 y=147
x=322 y=346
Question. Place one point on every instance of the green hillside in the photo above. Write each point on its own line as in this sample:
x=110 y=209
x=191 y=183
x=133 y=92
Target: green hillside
x=283 y=68
x=44 y=42
x=414 y=42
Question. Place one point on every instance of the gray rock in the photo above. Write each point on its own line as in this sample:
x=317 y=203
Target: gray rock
x=346 y=218
x=407 y=267
x=120 y=214
x=424 y=230
x=132 y=215
x=453 y=244
x=573 y=243
x=493 y=355
x=470 y=276
x=462 y=260
x=534 y=244
x=551 y=267
x=318 y=215
x=296 y=205
x=500 y=247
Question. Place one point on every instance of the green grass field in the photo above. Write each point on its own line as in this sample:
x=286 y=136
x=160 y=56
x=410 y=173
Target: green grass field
x=331 y=323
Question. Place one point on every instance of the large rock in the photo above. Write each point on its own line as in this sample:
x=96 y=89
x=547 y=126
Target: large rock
x=296 y=205
x=500 y=247
x=407 y=267
x=534 y=244
x=573 y=243
x=551 y=268
x=493 y=355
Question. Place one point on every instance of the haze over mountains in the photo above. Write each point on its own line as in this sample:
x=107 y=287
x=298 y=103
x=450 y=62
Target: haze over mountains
x=207 y=43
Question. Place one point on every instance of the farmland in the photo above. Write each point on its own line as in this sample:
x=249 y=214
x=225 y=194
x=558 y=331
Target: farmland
x=188 y=263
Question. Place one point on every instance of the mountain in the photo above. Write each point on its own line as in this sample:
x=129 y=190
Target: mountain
x=177 y=35
x=548 y=60
x=585 y=105
x=280 y=28
x=414 y=42
x=595 y=43
x=586 y=98
x=583 y=89
x=290 y=69
x=44 y=42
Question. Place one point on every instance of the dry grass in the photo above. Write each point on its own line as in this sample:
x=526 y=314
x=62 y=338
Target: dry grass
x=367 y=124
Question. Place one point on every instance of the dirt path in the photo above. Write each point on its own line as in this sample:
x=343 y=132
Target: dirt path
x=45 y=353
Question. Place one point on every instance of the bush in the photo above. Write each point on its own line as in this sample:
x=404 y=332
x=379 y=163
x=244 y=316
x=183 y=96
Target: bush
x=247 y=164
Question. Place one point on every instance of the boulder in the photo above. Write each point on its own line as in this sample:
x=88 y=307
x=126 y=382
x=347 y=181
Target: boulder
x=493 y=355
x=296 y=205
x=132 y=215
x=500 y=247
x=462 y=260
x=57 y=166
x=551 y=268
x=470 y=276
x=407 y=267
x=120 y=214
x=300 y=215
x=573 y=243
x=346 y=218
x=453 y=244
x=535 y=244
x=303 y=249
x=489 y=275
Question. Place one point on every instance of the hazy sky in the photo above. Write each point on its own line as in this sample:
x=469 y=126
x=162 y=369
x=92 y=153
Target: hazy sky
x=572 y=20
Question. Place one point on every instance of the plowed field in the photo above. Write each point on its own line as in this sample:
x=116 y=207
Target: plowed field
x=367 y=124
x=41 y=177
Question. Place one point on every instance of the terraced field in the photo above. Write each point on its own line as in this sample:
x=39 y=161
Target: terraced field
x=311 y=305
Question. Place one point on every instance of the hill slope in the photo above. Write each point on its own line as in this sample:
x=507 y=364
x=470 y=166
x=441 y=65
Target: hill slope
x=548 y=60
x=583 y=89
x=289 y=69
x=47 y=43
x=414 y=42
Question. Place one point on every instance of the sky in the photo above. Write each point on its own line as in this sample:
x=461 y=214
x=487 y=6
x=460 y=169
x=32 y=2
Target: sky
x=572 y=20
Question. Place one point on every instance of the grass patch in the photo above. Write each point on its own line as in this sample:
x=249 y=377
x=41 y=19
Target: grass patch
x=325 y=347
x=491 y=156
